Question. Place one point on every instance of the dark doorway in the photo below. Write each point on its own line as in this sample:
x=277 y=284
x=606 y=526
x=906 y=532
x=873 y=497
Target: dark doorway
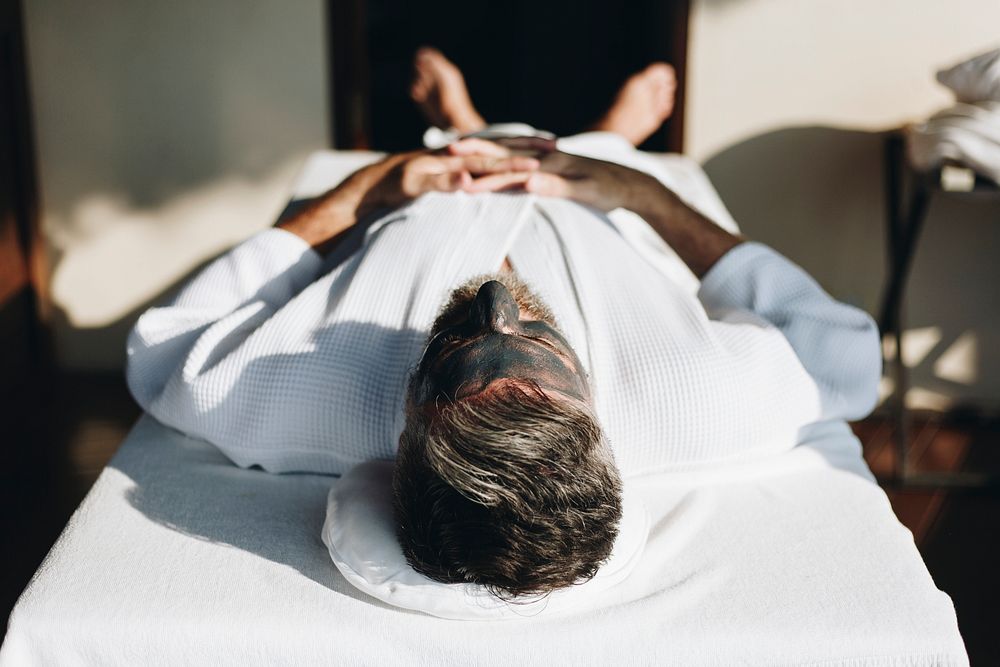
x=555 y=65
x=19 y=335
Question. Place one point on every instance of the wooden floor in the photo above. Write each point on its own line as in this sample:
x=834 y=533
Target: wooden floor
x=957 y=532
x=66 y=428
x=937 y=443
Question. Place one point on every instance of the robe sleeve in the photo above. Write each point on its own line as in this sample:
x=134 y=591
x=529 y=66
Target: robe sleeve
x=838 y=345
x=231 y=296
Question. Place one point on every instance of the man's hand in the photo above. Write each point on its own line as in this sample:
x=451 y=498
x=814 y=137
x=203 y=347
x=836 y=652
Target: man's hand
x=398 y=179
x=607 y=186
x=407 y=176
x=603 y=185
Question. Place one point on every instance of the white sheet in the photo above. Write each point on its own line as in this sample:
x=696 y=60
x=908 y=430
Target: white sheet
x=178 y=557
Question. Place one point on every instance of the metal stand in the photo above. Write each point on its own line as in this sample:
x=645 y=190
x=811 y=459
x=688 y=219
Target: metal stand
x=903 y=230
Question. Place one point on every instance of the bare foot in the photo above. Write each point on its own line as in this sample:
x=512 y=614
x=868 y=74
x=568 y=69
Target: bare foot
x=642 y=104
x=439 y=90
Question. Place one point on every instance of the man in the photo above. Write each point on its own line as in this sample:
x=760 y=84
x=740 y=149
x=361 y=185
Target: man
x=561 y=362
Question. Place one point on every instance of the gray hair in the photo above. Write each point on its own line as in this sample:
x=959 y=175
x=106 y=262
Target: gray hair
x=509 y=488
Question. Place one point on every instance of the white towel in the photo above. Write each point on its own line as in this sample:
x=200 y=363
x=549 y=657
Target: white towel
x=974 y=80
x=969 y=131
x=966 y=133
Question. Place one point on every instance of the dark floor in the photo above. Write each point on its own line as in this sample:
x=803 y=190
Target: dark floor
x=958 y=532
x=67 y=427
x=60 y=432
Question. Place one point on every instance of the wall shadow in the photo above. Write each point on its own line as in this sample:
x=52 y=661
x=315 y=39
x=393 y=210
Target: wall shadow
x=817 y=194
x=190 y=486
x=99 y=340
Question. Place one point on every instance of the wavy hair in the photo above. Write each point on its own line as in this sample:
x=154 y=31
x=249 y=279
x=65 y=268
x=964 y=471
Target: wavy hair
x=509 y=488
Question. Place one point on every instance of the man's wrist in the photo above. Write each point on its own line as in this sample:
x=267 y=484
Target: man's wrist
x=698 y=241
x=649 y=198
x=324 y=221
x=320 y=224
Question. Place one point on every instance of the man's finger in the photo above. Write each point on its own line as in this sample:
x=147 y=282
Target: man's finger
x=548 y=185
x=484 y=164
x=449 y=181
x=475 y=146
x=535 y=144
x=495 y=182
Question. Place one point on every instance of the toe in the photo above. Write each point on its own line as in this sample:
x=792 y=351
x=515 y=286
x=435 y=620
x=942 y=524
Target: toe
x=661 y=71
x=665 y=106
x=423 y=63
x=422 y=78
x=427 y=53
x=418 y=91
x=434 y=60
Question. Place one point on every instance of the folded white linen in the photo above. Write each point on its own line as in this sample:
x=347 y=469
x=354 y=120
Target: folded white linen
x=359 y=532
x=177 y=557
x=968 y=132
x=974 y=80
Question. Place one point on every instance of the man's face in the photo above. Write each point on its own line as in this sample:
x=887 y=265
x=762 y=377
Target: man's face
x=495 y=329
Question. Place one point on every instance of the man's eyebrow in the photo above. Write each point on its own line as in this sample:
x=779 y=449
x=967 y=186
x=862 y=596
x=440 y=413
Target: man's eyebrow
x=449 y=349
x=547 y=344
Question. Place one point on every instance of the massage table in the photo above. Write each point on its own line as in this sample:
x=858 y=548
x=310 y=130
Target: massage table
x=177 y=556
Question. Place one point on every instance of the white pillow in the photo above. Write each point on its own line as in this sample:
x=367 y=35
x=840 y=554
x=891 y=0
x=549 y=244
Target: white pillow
x=976 y=79
x=359 y=533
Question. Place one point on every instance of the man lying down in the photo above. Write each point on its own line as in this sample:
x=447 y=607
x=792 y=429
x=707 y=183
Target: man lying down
x=498 y=336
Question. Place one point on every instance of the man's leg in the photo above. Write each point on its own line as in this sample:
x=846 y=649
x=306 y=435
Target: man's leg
x=439 y=90
x=440 y=93
x=644 y=101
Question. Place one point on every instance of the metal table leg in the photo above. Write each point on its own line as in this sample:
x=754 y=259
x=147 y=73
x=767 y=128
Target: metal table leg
x=903 y=231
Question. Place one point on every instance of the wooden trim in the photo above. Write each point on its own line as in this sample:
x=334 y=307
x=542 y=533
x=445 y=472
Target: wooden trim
x=19 y=138
x=350 y=105
x=678 y=26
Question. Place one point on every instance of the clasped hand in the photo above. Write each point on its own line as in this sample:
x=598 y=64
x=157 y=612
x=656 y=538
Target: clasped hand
x=530 y=163
x=470 y=165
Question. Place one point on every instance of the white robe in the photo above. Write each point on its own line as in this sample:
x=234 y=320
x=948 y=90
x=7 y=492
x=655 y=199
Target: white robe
x=285 y=364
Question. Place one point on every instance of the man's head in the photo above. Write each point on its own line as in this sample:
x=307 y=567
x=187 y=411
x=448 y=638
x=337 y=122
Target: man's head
x=503 y=476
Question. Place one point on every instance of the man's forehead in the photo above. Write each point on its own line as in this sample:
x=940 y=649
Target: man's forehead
x=456 y=308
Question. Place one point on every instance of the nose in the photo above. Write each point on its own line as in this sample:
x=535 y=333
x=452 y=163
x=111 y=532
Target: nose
x=494 y=309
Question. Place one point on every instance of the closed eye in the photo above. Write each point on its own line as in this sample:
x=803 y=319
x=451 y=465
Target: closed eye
x=559 y=353
x=454 y=342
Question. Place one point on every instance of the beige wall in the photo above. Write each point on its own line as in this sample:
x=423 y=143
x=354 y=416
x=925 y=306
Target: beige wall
x=168 y=131
x=165 y=132
x=787 y=99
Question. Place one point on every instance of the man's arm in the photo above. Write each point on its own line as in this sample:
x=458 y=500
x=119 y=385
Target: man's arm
x=698 y=241
x=838 y=345
x=231 y=298
x=233 y=293
x=393 y=182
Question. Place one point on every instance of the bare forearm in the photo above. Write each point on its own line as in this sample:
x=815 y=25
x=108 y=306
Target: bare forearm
x=698 y=241
x=324 y=221
x=320 y=224
x=606 y=185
